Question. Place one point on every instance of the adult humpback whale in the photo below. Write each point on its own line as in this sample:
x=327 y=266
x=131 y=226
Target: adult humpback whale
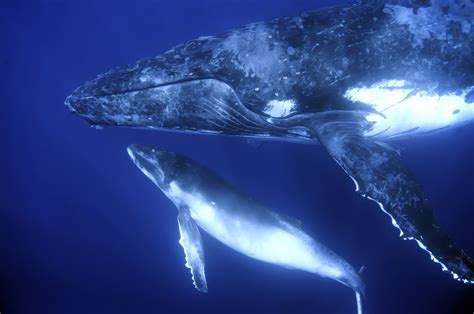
x=205 y=200
x=351 y=77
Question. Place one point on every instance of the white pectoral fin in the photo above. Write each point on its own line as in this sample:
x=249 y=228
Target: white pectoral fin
x=191 y=242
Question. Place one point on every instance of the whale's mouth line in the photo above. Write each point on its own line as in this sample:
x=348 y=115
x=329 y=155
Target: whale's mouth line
x=166 y=84
x=206 y=104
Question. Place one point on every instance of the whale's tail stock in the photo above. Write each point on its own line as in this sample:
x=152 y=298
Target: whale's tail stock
x=359 y=302
x=359 y=291
x=359 y=294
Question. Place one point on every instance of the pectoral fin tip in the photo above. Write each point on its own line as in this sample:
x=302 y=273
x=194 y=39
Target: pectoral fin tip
x=191 y=242
x=381 y=176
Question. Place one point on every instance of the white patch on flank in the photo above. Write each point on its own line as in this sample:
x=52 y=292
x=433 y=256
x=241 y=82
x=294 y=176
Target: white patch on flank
x=280 y=108
x=404 y=109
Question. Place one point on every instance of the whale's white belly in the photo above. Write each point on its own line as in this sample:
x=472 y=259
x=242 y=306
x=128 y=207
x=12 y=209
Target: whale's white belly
x=264 y=242
x=268 y=242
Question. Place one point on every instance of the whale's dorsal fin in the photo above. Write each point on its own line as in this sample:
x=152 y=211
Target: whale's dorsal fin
x=191 y=242
x=286 y=220
x=292 y=221
x=380 y=175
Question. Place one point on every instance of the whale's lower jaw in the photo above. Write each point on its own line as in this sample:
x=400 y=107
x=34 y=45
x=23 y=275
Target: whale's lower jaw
x=206 y=106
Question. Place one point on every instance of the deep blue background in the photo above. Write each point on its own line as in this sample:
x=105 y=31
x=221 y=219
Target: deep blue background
x=83 y=231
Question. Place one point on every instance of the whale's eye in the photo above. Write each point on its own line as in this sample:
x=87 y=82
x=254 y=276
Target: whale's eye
x=456 y=111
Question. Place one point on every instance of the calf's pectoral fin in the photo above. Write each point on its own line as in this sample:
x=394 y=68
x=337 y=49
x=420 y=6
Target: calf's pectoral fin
x=381 y=176
x=191 y=241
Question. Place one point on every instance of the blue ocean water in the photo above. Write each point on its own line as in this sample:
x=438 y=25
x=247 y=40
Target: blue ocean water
x=83 y=231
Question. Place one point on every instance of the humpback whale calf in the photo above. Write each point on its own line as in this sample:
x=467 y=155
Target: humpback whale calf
x=350 y=77
x=207 y=201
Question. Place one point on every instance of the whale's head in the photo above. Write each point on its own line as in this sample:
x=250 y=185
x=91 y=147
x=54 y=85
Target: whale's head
x=160 y=166
x=149 y=161
x=234 y=83
x=167 y=169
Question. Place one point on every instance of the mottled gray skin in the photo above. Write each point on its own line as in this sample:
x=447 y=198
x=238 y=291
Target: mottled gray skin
x=223 y=84
x=312 y=58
